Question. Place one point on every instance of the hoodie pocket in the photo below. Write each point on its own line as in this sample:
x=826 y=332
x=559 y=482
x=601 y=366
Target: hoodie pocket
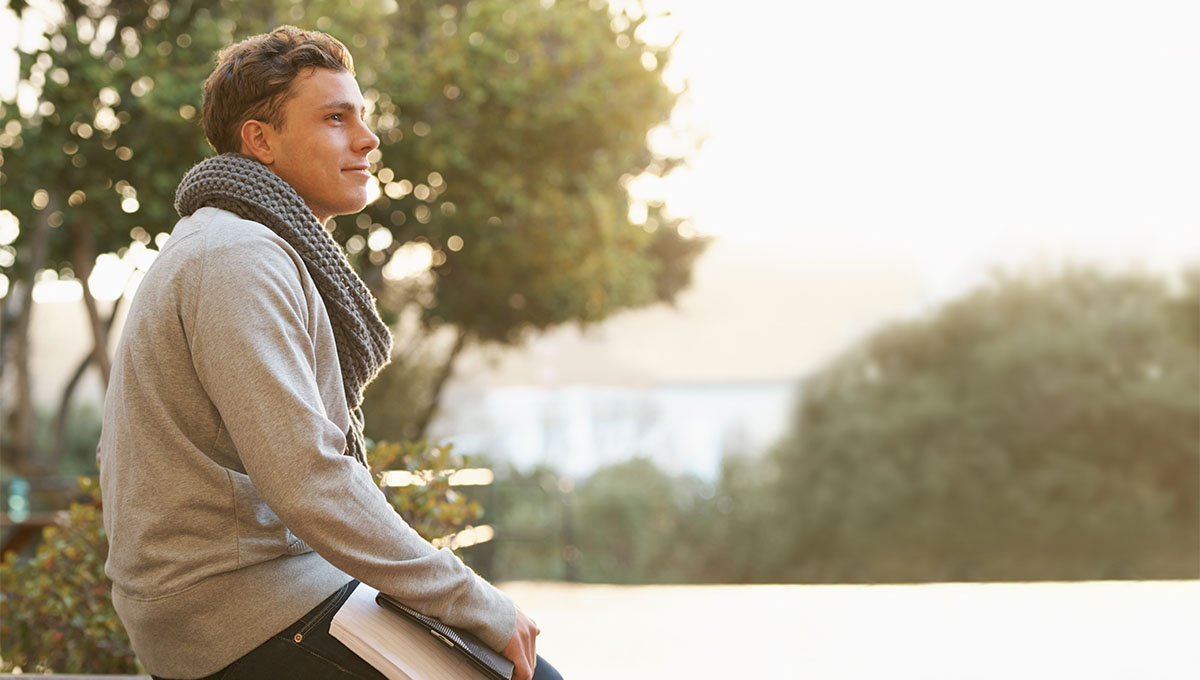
x=261 y=535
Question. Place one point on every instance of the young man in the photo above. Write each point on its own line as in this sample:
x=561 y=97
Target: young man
x=239 y=510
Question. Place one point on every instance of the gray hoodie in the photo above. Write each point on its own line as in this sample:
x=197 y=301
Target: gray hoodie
x=221 y=463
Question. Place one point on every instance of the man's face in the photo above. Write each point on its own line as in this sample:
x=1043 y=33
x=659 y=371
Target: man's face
x=321 y=148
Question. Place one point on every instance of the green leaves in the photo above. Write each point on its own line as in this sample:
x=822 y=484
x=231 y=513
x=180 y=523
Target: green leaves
x=508 y=130
x=110 y=124
x=531 y=116
x=514 y=125
x=1041 y=427
x=433 y=509
x=55 y=608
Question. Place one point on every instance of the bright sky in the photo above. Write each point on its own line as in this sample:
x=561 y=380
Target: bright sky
x=952 y=134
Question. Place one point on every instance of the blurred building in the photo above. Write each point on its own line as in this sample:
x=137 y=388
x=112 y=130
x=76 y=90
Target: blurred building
x=685 y=428
x=683 y=385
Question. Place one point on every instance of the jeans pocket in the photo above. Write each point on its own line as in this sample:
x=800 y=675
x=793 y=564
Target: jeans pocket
x=324 y=612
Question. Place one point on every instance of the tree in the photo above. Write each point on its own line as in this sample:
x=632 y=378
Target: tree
x=114 y=82
x=1042 y=427
x=507 y=128
x=507 y=131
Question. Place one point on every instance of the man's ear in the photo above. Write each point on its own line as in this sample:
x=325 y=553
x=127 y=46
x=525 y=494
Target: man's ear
x=256 y=141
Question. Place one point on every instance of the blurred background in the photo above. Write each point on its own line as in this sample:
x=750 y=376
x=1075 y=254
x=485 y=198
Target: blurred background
x=704 y=293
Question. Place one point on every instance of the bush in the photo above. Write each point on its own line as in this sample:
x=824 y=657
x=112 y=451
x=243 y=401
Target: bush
x=634 y=523
x=528 y=512
x=1043 y=427
x=56 y=610
x=434 y=509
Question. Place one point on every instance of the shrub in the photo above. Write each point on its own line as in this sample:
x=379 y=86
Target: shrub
x=434 y=509
x=1042 y=427
x=56 y=610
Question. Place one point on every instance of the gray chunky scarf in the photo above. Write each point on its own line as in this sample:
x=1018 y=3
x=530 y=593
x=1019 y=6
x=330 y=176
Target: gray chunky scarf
x=247 y=188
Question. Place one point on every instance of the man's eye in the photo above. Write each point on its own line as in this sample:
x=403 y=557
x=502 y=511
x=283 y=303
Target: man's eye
x=337 y=116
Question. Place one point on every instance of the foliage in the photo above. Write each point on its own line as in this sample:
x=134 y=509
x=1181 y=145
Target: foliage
x=528 y=510
x=509 y=130
x=635 y=524
x=1043 y=427
x=55 y=608
x=434 y=509
x=625 y=523
x=397 y=403
x=116 y=79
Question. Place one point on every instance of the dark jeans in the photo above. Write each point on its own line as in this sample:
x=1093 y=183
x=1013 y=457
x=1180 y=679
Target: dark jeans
x=317 y=655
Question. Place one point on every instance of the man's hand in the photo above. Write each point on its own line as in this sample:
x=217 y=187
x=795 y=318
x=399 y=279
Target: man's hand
x=522 y=648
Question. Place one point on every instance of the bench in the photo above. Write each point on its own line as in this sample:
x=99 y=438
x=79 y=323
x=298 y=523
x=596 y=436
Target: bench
x=30 y=505
x=19 y=532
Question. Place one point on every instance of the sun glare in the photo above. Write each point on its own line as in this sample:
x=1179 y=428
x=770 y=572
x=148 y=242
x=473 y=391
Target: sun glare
x=409 y=259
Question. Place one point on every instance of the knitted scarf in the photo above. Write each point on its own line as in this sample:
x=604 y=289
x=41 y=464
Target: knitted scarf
x=247 y=188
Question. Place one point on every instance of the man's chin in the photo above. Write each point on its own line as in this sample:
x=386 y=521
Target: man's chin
x=350 y=207
x=357 y=208
x=359 y=202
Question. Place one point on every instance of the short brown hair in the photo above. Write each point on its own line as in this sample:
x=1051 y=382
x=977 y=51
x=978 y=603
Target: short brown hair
x=253 y=79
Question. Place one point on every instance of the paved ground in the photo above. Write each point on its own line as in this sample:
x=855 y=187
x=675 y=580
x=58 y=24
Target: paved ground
x=1093 y=631
x=1089 y=631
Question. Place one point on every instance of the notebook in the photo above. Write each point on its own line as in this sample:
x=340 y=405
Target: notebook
x=406 y=646
x=492 y=664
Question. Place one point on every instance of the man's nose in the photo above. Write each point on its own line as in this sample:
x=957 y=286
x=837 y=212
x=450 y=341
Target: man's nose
x=368 y=140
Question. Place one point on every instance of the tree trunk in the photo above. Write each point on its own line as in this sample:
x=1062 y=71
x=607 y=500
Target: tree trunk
x=59 y=431
x=21 y=444
x=83 y=256
x=439 y=382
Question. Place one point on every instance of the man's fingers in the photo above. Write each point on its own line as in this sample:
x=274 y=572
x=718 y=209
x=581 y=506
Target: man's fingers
x=530 y=647
x=521 y=667
x=522 y=648
x=533 y=647
x=522 y=671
